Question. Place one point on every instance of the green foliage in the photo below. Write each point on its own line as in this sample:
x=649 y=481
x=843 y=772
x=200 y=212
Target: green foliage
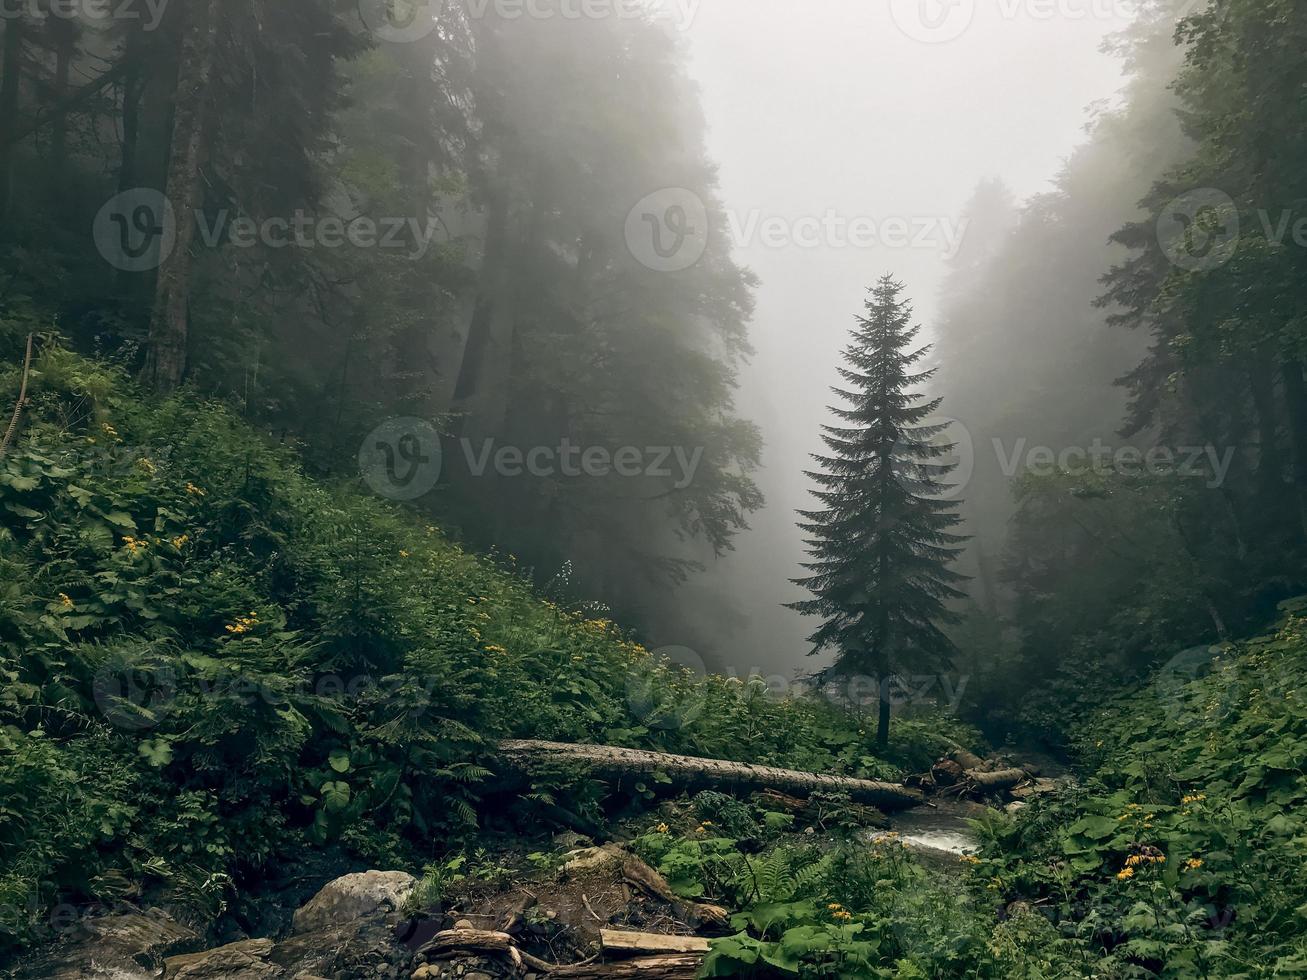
x=210 y=662
x=864 y=910
x=883 y=534
x=1179 y=857
x=434 y=884
x=729 y=815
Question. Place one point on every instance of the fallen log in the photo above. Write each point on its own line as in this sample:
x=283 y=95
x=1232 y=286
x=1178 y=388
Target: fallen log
x=456 y=942
x=989 y=782
x=966 y=759
x=613 y=764
x=635 y=872
x=621 y=941
x=683 y=966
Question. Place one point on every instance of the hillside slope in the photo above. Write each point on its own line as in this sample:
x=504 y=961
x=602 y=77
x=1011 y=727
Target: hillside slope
x=1182 y=853
x=211 y=664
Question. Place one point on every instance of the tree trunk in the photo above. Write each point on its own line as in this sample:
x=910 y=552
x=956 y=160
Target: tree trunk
x=10 y=82
x=623 y=941
x=133 y=84
x=1295 y=396
x=998 y=779
x=882 y=720
x=613 y=764
x=65 y=49
x=1270 y=467
x=482 y=390
x=166 y=354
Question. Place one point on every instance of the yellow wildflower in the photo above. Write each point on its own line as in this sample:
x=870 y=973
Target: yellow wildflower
x=195 y=491
x=180 y=541
x=662 y=828
x=403 y=554
x=834 y=906
x=65 y=601
x=243 y=624
x=842 y=916
x=1193 y=864
x=147 y=466
x=1125 y=873
x=133 y=545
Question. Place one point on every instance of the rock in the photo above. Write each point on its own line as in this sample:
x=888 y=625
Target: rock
x=1038 y=788
x=464 y=924
x=592 y=859
x=471 y=968
x=361 y=948
x=246 y=960
x=947 y=772
x=353 y=897
x=571 y=839
x=1013 y=808
x=130 y=946
x=966 y=759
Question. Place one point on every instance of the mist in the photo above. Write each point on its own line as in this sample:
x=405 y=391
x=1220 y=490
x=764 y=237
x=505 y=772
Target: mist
x=678 y=487
x=842 y=114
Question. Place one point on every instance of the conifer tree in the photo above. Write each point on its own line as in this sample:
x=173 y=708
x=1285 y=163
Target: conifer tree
x=882 y=544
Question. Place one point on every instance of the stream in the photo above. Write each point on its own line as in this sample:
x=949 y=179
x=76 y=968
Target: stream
x=939 y=828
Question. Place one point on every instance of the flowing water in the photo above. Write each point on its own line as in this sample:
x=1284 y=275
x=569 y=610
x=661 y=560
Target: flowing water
x=942 y=827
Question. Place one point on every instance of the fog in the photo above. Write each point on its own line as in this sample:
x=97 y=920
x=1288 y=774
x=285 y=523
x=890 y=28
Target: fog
x=832 y=112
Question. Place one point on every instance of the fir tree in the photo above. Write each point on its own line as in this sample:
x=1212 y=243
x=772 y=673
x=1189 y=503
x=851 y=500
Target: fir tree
x=882 y=544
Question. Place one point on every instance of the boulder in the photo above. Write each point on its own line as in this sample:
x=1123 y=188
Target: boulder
x=594 y=860
x=246 y=960
x=354 y=897
x=1040 y=787
x=130 y=946
x=361 y=948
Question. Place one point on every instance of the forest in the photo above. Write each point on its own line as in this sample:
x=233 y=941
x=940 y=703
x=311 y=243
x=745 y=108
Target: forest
x=399 y=570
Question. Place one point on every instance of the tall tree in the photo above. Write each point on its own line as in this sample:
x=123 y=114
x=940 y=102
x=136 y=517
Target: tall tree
x=11 y=76
x=884 y=540
x=166 y=354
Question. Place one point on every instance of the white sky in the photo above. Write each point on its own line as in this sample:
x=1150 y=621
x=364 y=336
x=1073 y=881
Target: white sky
x=829 y=106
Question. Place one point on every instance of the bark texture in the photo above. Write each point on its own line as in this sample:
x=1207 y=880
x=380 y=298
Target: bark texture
x=687 y=773
x=999 y=779
x=166 y=355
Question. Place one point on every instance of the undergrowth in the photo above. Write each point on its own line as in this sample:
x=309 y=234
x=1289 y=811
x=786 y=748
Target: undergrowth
x=210 y=662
